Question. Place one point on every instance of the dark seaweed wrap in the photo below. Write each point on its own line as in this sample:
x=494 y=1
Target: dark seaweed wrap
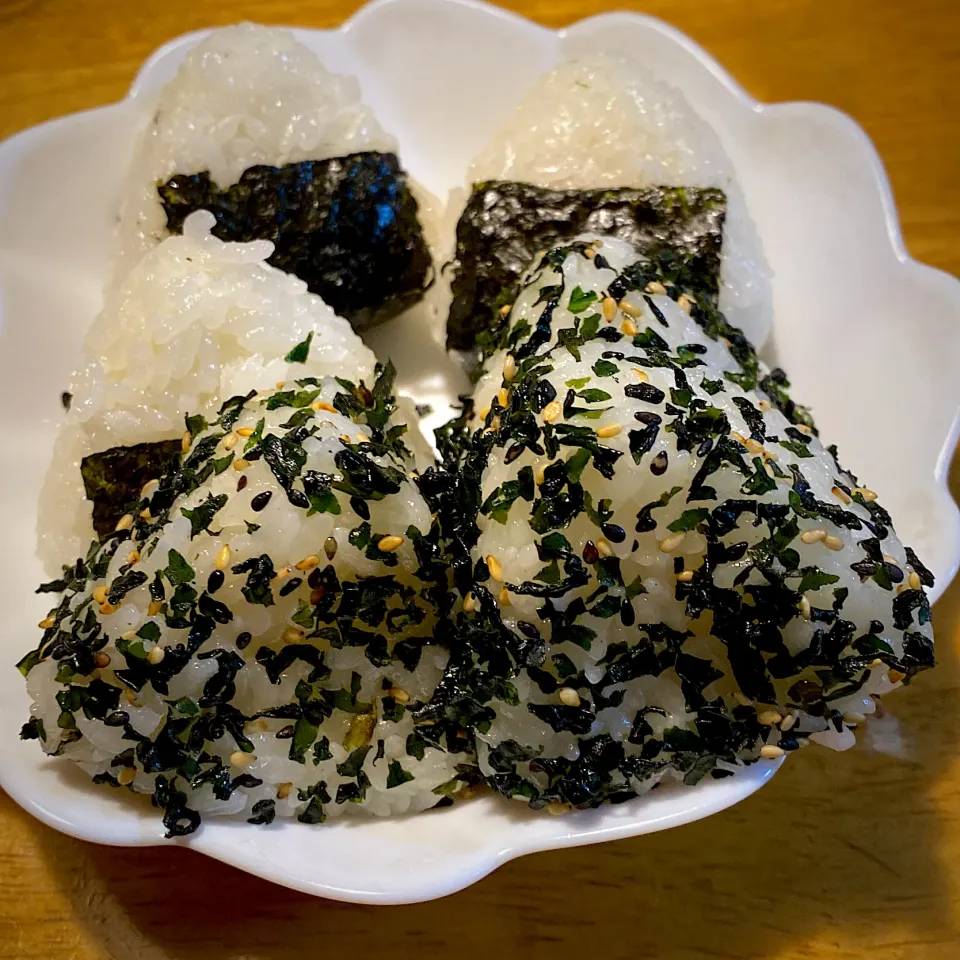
x=347 y=226
x=113 y=479
x=505 y=224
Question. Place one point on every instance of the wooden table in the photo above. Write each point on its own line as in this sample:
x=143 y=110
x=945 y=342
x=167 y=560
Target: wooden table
x=854 y=856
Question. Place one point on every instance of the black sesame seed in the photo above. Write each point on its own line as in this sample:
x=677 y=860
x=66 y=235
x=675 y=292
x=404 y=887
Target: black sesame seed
x=285 y=733
x=644 y=391
x=590 y=552
x=648 y=417
x=298 y=498
x=290 y=586
x=215 y=581
x=705 y=447
x=242 y=482
x=315 y=578
x=243 y=641
x=261 y=500
x=116 y=719
x=658 y=466
x=613 y=533
x=360 y=507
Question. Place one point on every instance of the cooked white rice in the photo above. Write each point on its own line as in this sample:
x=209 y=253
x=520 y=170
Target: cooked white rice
x=245 y=95
x=196 y=322
x=321 y=561
x=604 y=121
x=802 y=572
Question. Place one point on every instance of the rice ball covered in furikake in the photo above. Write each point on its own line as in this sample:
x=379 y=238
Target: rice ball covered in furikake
x=669 y=575
x=257 y=637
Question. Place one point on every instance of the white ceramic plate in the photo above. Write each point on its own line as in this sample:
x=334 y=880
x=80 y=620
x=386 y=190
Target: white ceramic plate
x=871 y=340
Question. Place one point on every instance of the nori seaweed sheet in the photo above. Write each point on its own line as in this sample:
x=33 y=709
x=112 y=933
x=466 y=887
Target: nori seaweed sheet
x=347 y=226
x=505 y=223
x=114 y=478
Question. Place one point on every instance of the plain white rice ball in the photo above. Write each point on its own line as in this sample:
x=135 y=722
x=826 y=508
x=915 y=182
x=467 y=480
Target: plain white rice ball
x=196 y=322
x=604 y=121
x=245 y=95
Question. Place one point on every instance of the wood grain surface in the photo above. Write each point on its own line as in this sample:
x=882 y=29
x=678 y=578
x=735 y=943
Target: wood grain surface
x=845 y=857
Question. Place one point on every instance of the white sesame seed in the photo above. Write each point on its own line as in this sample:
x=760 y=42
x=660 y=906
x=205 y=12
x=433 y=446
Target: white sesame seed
x=866 y=493
x=509 y=368
x=503 y=397
x=608 y=431
x=133 y=556
x=914 y=580
x=222 y=560
x=641 y=375
x=308 y=563
x=770 y=752
x=240 y=759
x=630 y=310
x=629 y=328
x=493 y=565
x=504 y=597
x=505 y=309
x=656 y=288
x=769 y=718
x=245 y=431
x=832 y=543
x=154 y=608
x=669 y=544
x=156 y=654
x=841 y=495
x=125 y=522
x=604 y=547
x=854 y=718
x=589 y=253
x=569 y=696
x=552 y=411
x=126 y=776
x=609 y=309
x=148 y=488
x=788 y=722
x=557 y=809
x=230 y=441
x=240 y=464
x=99 y=594
x=292 y=635
x=685 y=302
x=185 y=442
x=389 y=543
x=469 y=603
x=685 y=576
x=399 y=694
x=895 y=676
x=813 y=536
x=46 y=623
x=283 y=789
